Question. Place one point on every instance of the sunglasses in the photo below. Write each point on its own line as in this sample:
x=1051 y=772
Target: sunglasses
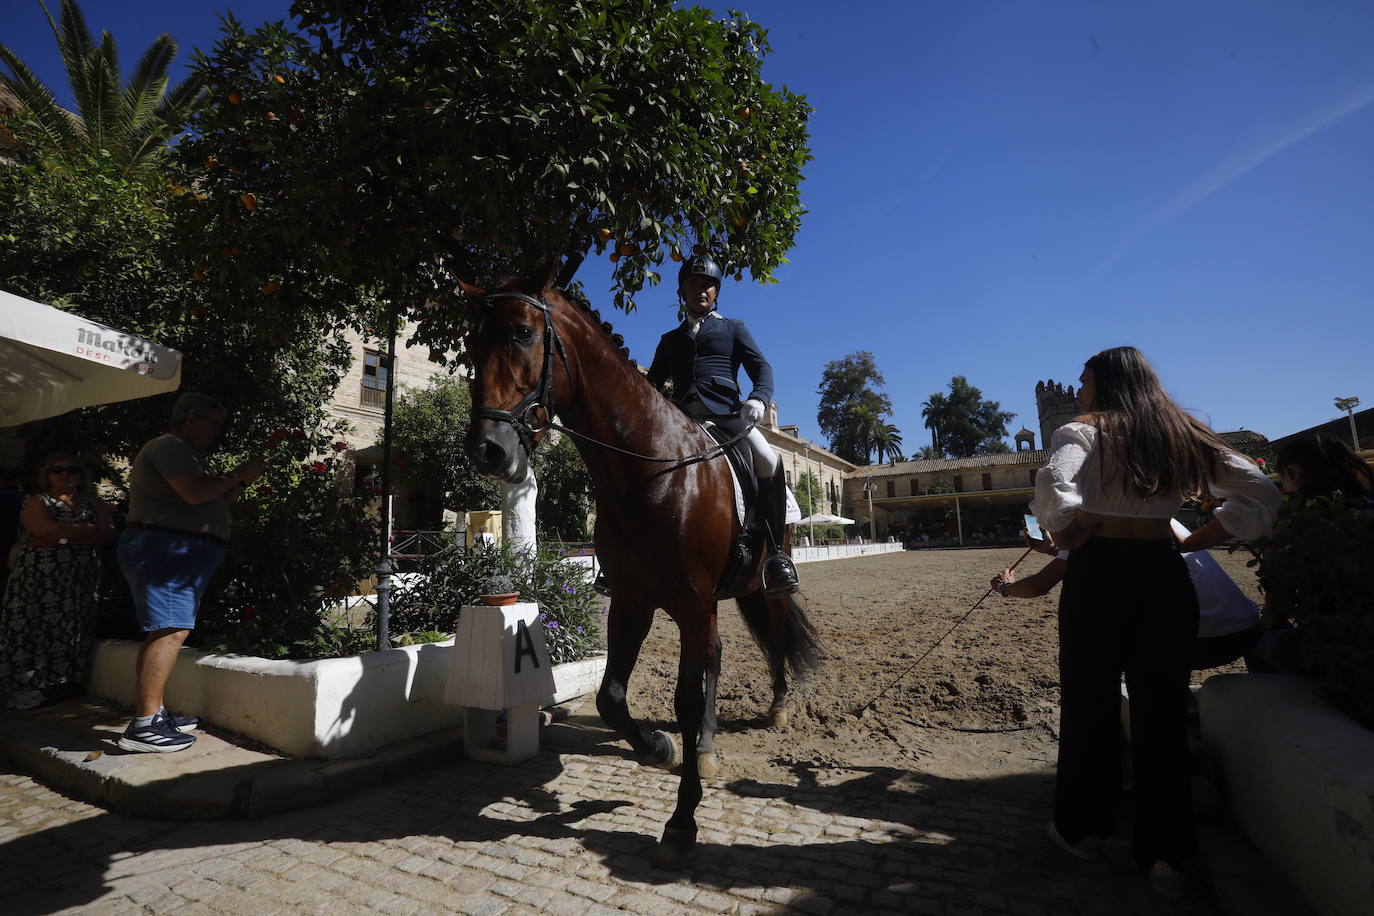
x=64 y=469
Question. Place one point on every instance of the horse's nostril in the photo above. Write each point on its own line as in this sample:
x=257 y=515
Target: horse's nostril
x=489 y=455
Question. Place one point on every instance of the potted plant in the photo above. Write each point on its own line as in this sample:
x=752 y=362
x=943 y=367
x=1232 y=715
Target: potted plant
x=498 y=591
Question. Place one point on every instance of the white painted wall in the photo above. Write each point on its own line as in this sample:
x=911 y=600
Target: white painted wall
x=336 y=707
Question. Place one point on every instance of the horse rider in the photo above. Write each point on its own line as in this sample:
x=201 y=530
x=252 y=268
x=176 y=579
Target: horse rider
x=703 y=356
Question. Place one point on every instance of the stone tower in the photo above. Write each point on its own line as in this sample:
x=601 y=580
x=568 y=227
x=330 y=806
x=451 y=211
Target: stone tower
x=1056 y=404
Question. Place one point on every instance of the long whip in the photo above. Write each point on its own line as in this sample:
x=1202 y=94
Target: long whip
x=862 y=709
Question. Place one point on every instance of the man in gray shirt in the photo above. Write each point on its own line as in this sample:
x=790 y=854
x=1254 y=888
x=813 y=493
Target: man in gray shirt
x=177 y=531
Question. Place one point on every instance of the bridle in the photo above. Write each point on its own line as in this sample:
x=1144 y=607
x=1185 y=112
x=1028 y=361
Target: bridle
x=542 y=393
x=542 y=396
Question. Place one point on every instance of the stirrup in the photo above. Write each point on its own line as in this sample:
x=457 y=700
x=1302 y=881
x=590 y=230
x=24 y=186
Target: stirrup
x=783 y=579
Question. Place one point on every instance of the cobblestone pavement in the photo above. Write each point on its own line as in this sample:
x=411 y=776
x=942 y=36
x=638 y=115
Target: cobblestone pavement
x=574 y=832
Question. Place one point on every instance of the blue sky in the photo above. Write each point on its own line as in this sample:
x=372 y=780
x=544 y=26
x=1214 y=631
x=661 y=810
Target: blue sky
x=1003 y=188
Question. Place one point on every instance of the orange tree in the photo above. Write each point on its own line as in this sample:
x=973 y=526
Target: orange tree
x=392 y=144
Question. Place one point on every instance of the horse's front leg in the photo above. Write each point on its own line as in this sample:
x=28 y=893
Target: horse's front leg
x=707 y=764
x=626 y=628
x=680 y=836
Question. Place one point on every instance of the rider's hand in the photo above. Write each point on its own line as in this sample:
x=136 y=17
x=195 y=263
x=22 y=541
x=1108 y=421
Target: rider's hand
x=1005 y=577
x=751 y=411
x=1044 y=546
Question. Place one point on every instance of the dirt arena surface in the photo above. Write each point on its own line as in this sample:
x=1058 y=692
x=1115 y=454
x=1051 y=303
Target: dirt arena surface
x=982 y=704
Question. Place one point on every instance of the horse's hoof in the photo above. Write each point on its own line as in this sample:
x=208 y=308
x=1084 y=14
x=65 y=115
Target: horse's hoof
x=675 y=847
x=669 y=752
x=778 y=717
x=707 y=765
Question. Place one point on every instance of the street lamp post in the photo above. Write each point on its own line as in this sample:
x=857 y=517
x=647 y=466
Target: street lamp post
x=869 y=487
x=1349 y=405
x=811 y=500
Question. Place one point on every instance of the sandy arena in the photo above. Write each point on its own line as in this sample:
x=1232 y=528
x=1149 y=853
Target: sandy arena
x=982 y=704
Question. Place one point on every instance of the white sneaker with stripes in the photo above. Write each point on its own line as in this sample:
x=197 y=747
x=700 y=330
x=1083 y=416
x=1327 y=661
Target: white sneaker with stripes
x=159 y=736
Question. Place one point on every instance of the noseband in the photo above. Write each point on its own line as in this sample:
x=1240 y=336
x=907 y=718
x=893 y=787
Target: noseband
x=542 y=394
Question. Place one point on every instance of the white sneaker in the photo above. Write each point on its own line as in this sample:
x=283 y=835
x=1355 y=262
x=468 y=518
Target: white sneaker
x=1089 y=849
x=25 y=699
x=1165 y=880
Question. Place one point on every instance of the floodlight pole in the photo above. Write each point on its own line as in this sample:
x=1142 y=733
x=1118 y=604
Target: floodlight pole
x=1349 y=405
x=811 y=500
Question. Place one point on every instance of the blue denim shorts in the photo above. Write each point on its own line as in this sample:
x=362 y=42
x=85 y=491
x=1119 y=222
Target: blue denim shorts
x=168 y=574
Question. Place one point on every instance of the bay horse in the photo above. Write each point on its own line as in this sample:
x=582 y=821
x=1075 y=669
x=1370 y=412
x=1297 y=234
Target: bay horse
x=664 y=531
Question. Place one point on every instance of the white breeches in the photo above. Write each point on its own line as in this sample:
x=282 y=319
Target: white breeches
x=766 y=461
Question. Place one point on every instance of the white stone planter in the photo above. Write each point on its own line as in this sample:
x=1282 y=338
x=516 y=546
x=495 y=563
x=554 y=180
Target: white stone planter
x=334 y=707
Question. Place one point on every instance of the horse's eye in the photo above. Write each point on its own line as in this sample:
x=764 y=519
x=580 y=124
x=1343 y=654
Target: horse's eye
x=523 y=333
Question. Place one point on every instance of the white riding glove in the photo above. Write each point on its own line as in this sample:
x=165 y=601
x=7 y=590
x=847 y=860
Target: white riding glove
x=751 y=411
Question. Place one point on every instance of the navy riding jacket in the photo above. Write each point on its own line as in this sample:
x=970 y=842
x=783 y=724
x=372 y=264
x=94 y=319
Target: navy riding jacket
x=707 y=365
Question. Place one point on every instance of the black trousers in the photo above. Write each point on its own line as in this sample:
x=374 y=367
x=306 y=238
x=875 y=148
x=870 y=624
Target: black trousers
x=1126 y=606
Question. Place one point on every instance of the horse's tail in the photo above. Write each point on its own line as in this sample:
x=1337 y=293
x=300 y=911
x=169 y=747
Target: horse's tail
x=783 y=631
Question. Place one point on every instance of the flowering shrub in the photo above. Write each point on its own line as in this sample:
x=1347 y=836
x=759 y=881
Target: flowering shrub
x=570 y=609
x=299 y=543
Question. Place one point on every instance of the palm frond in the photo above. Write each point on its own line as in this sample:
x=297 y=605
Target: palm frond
x=39 y=104
x=75 y=45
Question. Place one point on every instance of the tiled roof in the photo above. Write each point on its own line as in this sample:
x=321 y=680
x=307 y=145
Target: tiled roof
x=1026 y=457
x=1242 y=437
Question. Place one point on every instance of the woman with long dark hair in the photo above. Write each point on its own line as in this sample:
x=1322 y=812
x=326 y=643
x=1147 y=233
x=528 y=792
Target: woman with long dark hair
x=1115 y=478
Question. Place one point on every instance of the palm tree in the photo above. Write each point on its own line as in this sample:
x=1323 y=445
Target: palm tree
x=935 y=411
x=886 y=440
x=131 y=125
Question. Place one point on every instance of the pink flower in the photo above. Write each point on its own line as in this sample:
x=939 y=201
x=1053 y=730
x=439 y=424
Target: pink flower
x=319 y=467
x=340 y=446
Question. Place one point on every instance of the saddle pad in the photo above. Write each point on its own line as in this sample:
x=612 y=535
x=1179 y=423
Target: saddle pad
x=793 y=510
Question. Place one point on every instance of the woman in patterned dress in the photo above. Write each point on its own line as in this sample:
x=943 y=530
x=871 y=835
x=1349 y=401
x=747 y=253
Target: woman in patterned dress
x=50 y=598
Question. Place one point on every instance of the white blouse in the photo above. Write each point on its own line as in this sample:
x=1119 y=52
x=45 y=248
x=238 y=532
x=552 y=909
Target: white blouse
x=1070 y=481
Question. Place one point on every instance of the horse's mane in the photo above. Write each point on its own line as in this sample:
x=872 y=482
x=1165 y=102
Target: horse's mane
x=578 y=298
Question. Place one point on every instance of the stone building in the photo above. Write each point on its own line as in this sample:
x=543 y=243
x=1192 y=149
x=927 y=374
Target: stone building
x=1056 y=405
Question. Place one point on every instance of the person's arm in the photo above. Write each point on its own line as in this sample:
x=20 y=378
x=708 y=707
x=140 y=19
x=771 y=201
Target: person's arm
x=659 y=368
x=760 y=372
x=1056 y=486
x=47 y=531
x=197 y=488
x=1007 y=585
x=1252 y=501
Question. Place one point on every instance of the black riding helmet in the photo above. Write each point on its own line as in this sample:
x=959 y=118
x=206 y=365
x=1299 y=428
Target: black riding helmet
x=699 y=266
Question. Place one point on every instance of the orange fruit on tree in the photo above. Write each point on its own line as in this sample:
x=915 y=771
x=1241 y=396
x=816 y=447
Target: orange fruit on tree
x=234 y=98
x=211 y=162
x=739 y=277
x=250 y=200
x=278 y=77
x=199 y=274
x=699 y=249
x=615 y=256
x=745 y=112
x=627 y=248
x=232 y=252
x=271 y=116
x=270 y=287
x=604 y=235
x=675 y=255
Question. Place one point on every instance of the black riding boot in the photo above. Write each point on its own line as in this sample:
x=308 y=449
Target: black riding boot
x=779 y=575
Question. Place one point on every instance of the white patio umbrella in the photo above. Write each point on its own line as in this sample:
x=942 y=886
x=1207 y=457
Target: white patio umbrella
x=822 y=518
x=52 y=361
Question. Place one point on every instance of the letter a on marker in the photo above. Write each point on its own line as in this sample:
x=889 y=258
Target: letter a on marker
x=524 y=645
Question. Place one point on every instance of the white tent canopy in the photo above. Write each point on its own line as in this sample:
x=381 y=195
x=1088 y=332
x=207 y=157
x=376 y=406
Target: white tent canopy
x=825 y=519
x=52 y=361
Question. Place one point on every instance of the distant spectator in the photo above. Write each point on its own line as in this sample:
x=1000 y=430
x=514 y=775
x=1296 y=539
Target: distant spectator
x=177 y=532
x=50 y=599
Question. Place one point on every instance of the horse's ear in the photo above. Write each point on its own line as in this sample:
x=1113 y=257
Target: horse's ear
x=471 y=291
x=544 y=277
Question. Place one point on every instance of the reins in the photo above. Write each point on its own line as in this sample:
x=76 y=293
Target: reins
x=542 y=396
x=909 y=668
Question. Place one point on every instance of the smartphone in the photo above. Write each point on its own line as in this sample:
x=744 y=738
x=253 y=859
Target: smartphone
x=1033 y=528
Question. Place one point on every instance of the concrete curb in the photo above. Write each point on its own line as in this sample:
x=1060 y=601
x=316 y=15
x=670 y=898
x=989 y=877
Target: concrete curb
x=71 y=746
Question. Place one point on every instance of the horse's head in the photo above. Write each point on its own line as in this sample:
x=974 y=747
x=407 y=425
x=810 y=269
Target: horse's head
x=518 y=364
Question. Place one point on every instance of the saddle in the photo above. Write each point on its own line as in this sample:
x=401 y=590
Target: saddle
x=750 y=545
